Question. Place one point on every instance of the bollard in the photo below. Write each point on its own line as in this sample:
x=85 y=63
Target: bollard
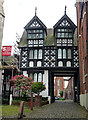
x=10 y=102
x=31 y=100
x=21 y=110
x=49 y=99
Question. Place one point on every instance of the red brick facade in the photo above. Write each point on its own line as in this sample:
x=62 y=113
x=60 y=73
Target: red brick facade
x=69 y=90
x=82 y=23
x=58 y=85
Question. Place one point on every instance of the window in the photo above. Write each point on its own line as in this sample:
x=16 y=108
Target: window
x=58 y=82
x=31 y=75
x=64 y=53
x=58 y=92
x=31 y=54
x=61 y=34
x=39 y=77
x=70 y=34
x=58 y=35
x=30 y=43
x=66 y=35
x=31 y=64
x=35 y=77
x=59 y=53
x=69 y=53
x=40 y=54
x=39 y=64
x=40 y=42
x=68 y=64
x=60 y=63
x=35 y=42
x=35 y=54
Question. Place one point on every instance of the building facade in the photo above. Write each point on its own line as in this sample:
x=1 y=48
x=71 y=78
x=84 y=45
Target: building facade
x=59 y=85
x=82 y=23
x=45 y=53
x=69 y=89
x=2 y=16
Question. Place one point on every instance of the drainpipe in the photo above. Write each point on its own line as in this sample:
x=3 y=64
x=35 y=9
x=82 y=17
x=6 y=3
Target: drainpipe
x=87 y=35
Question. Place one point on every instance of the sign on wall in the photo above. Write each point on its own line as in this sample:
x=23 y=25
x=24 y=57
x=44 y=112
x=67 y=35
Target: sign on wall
x=6 y=50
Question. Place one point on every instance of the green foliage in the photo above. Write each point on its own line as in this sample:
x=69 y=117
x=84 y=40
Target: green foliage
x=61 y=93
x=37 y=87
x=21 y=83
x=61 y=98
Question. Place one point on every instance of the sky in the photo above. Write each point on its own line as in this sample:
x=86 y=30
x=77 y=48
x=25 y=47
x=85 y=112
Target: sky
x=19 y=12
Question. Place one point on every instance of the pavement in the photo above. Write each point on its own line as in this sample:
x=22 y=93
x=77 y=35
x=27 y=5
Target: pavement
x=60 y=109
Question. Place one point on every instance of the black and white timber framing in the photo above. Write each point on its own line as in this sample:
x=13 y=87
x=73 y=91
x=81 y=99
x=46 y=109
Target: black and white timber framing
x=43 y=61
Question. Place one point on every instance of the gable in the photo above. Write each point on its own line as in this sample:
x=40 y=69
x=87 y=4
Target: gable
x=65 y=21
x=35 y=23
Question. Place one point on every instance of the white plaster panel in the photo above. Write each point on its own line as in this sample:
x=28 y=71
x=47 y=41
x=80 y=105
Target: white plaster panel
x=45 y=81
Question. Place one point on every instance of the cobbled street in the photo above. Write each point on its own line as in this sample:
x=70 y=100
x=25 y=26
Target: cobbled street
x=60 y=109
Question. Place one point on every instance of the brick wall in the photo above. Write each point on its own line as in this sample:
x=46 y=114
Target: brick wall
x=69 y=89
x=82 y=43
x=58 y=87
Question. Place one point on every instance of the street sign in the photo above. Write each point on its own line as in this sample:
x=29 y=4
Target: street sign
x=6 y=50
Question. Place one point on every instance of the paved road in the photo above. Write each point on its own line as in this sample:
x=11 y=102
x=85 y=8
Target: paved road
x=59 y=109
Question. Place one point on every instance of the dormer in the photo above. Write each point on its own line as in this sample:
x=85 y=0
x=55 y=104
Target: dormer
x=36 y=32
x=64 y=31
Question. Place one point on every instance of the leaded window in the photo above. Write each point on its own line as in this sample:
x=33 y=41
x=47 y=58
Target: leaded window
x=39 y=77
x=35 y=77
x=40 y=54
x=64 y=53
x=39 y=64
x=35 y=54
x=59 y=53
x=60 y=64
x=31 y=75
x=68 y=64
x=31 y=64
x=31 y=54
x=69 y=53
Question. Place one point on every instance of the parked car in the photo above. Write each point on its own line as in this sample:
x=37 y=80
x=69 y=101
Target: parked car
x=56 y=98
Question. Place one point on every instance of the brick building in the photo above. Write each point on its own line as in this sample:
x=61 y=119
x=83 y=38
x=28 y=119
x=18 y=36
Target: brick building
x=82 y=23
x=59 y=85
x=69 y=89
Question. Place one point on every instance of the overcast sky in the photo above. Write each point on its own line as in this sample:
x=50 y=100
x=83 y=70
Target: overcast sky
x=19 y=12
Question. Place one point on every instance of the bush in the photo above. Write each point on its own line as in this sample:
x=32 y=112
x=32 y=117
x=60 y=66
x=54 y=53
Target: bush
x=61 y=93
x=61 y=98
x=37 y=87
x=21 y=83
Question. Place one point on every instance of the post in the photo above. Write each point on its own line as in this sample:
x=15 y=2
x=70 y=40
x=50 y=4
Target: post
x=31 y=100
x=21 y=110
x=10 y=99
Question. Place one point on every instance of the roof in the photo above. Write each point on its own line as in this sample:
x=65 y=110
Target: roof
x=67 y=18
x=23 y=40
x=49 y=40
x=9 y=62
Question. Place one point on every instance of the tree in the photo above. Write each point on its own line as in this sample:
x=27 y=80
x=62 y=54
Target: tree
x=38 y=87
x=22 y=83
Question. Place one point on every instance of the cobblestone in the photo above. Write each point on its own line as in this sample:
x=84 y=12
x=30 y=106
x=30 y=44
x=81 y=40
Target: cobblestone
x=59 y=109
